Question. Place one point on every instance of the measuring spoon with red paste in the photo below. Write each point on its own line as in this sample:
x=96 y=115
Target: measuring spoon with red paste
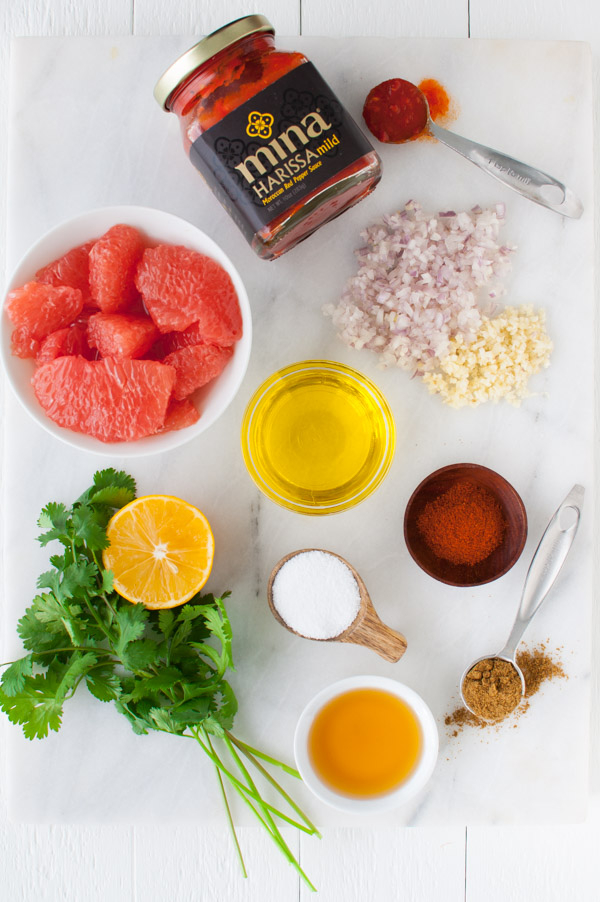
x=397 y=111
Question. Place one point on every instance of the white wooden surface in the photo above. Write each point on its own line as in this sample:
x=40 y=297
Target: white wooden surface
x=124 y=864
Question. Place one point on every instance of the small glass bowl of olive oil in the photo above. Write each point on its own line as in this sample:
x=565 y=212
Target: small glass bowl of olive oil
x=318 y=437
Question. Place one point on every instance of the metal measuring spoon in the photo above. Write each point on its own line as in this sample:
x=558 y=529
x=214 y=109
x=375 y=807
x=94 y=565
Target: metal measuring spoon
x=545 y=566
x=532 y=183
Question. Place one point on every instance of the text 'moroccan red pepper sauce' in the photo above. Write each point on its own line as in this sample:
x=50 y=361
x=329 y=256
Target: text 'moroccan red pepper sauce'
x=269 y=136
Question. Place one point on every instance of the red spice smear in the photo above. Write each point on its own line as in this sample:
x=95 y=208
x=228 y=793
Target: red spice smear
x=463 y=525
x=437 y=98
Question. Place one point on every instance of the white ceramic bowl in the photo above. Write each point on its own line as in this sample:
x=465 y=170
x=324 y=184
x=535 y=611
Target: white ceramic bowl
x=411 y=785
x=158 y=226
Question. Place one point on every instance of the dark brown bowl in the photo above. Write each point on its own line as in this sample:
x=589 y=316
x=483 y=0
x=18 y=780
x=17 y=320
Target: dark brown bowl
x=499 y=561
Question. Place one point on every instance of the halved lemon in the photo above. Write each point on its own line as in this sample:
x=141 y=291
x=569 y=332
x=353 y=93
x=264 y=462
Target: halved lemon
x=161 y=551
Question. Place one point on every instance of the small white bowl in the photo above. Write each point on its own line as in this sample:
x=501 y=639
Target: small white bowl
x=158 y=227
x=411 y=785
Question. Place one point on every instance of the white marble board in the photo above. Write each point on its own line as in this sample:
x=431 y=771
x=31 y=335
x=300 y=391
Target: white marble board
x=85 y=132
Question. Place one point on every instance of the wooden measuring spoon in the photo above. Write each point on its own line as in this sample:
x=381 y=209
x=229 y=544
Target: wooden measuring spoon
x=366 y=628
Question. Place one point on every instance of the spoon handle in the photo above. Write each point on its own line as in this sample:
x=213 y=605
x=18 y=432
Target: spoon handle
x=378 y=636
x=545 y=566
x=532 y=183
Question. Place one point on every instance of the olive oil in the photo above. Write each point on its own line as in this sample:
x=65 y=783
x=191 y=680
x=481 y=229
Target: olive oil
x=318 y=437
x=364 y=743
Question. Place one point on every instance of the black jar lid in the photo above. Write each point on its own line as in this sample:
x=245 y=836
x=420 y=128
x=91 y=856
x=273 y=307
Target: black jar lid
x=204 y=50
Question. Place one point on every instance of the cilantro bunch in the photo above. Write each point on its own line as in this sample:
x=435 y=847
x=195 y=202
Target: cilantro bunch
x=162 y=670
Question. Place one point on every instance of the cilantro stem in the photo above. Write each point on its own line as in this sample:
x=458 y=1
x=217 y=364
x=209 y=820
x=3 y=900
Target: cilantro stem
x=281 y=842
x=228 y=810
x=235 y=781
x=55 y=651
x=274 y=834
x=310 y=827
x=100 y=624
x=244 y=747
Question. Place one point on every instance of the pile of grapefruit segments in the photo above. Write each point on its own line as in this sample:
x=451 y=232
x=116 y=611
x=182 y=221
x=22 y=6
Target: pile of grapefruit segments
x=161 y=551
x=123 y=334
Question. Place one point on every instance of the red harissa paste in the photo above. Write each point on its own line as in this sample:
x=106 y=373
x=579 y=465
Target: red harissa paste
x=395 y=110
x=269 y=136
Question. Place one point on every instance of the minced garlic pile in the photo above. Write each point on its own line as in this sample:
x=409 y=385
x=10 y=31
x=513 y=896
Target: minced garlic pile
x=497 y=364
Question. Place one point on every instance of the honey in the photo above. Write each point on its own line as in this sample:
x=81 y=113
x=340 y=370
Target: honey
x=318 y=437
x=364 y=743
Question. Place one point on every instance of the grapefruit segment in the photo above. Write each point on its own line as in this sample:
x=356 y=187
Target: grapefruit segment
x=113 y=260
x=181 y=287
x=23 y=344
x=111 y=400
x=121 y=334
x=67 y=342
x=179 y=415
x=72 y=269
x=174 y=341
x=40 y=309
x=195 y=366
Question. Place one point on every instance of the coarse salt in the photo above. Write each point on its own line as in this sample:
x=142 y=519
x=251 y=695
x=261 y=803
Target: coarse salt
x=316 y=594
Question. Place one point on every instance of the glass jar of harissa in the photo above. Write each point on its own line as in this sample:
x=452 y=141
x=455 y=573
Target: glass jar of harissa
x=269 y=136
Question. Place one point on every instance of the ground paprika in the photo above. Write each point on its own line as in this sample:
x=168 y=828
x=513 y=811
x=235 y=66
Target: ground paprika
x=464 y=525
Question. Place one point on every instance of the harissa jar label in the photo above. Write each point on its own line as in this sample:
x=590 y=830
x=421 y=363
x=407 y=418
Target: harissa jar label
x=277 y=148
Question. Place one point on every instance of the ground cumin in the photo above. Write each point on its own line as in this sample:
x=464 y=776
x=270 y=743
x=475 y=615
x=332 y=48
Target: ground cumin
x=537 y=666
x=492 y=689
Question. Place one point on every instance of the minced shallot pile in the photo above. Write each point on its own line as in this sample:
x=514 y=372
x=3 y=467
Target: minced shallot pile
x=424 y=280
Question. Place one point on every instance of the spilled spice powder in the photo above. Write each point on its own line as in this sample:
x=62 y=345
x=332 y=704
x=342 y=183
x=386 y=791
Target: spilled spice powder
x=537 y=665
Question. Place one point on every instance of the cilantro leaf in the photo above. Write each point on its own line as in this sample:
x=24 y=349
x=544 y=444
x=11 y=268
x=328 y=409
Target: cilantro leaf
x=163 y=720
x=41 y=628
x=226 y=706
x=107 y=581
x=109 y=477
x=55 y=518
x=139 y=724
x=166 y=620
x=50 y=580
x=87 y=529
x=13 y=678
x=130 y=623
x=192 y=711
x=108 y=481
x=104 y=684
x=139 y=654
x=74 y=579
x=36 y=707
x=164 y=679
x=113 y=496
x=218 y=623
x=69 y=673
